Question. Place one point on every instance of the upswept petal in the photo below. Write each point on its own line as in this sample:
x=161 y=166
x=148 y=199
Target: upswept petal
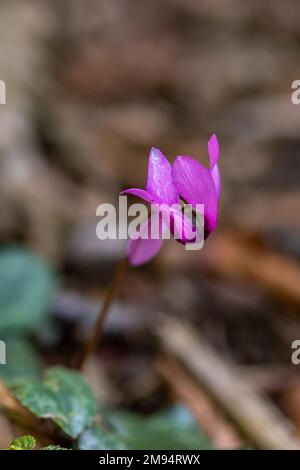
x=160 y=181
x=215 y=174
x=214 y=152
x=196 y=186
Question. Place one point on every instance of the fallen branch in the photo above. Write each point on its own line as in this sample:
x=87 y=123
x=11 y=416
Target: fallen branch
x=210 y=419
x=270 y=378
x=253 y=413
x=12 y=408
x=230 y=255
x=6 y=432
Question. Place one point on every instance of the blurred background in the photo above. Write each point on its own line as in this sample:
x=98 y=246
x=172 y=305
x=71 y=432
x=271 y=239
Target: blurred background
x=91 y=86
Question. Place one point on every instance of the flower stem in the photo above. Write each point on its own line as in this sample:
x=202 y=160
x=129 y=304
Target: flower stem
x=110 y=296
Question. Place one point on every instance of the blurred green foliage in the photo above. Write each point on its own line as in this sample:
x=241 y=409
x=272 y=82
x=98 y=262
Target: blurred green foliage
x=172 y=429
x=27 y=286
x=65 y=398
x=27 y=289
x=22 y=360
x=96 y=438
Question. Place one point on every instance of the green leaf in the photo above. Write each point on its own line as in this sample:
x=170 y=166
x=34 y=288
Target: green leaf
x=26 y=289
x=23 y=443
x=54 y=447
x=29 y=443
x=62 y=396
x=21 y=360
x=169 y=430
x=96 y=438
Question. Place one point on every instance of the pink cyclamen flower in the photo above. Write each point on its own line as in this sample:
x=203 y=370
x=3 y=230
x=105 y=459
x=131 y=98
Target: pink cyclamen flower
x=160 y=189
x=197 y=184
x=165 y=185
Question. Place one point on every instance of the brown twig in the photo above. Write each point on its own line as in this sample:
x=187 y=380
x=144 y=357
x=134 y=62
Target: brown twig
x=6 y=432
x=110 y=296
x=231 y=256
x=209 y=417
x=13 y=409
x=256 y=417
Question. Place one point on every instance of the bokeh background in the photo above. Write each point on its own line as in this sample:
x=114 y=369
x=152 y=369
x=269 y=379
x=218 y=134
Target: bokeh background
x=91 y=86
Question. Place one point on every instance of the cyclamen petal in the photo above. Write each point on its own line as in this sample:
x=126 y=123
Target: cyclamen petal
x=214 y=152
x=215 y=174
x=142 y=194
x=196 y=186
x=183 y=229
x=142 y=250
x=160 y=181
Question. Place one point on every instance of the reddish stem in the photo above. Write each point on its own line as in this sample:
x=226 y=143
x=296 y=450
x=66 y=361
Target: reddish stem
x=97 y=333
